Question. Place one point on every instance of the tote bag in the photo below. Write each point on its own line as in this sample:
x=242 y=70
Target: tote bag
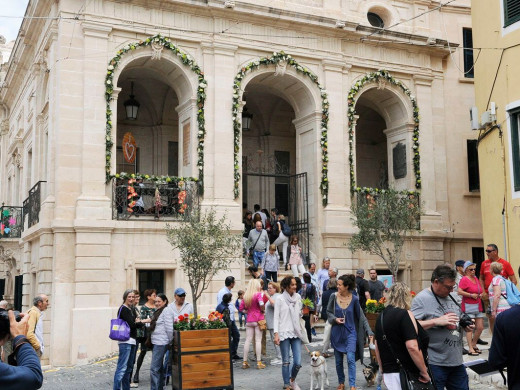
x=119 y=329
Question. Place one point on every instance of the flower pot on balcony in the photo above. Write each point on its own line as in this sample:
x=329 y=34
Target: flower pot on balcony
x=201 y=359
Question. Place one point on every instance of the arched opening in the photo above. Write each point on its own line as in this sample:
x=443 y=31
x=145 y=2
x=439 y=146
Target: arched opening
x=162 y=133
x=160 y=144
x=383 y=134
x=280 y=151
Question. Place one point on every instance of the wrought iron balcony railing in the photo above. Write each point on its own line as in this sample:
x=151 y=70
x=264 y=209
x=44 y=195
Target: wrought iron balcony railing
x=32 y=205
x=11 y=221
x=152 y=201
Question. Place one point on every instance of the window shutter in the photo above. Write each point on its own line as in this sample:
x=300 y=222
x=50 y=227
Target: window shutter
x=511 y=12
x=515 y=149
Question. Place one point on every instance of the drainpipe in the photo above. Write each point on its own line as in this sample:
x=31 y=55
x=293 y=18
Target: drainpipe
x=504 y=227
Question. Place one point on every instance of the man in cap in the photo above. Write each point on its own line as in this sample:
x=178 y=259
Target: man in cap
x=459 y=267
x=362 y=288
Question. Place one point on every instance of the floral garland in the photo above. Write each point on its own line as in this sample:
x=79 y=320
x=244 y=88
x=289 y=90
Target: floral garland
x=187 y=60
x=374 y=77
x=276 y=58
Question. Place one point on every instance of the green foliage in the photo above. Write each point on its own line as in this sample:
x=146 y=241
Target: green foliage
x=207 y=247
x=383 y=219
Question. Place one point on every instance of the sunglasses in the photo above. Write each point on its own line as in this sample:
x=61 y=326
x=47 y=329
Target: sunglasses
x=489 y=250
x=471 y=269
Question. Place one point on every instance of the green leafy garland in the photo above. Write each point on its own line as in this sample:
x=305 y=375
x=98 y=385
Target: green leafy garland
x=374 y=78
x=187 y=60
x=237 y=120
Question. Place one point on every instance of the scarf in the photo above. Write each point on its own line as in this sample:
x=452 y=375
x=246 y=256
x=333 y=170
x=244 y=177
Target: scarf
x=291 y=302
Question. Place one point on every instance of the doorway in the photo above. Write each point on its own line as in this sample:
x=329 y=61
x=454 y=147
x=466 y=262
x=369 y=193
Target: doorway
x=150 y=279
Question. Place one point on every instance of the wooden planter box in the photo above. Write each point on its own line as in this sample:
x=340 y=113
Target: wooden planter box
x=201 y=359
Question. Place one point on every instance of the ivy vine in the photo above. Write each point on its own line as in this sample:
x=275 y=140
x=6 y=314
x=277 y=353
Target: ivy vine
x=188 y=61
x=276 y=58
x=374 y=77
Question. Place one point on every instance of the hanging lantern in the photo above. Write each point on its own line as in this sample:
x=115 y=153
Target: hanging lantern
x=131 y=105
x=246 y=119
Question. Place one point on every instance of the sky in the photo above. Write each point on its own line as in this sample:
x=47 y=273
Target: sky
x=9 y=25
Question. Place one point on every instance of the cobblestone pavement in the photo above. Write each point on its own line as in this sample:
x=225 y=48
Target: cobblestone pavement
x=99 y=375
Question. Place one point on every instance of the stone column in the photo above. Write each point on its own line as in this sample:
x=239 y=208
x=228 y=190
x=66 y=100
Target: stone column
x=188 y=129
x=431 y=220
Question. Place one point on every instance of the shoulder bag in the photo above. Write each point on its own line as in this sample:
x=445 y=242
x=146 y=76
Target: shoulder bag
x=409 y=381
x=119 y=329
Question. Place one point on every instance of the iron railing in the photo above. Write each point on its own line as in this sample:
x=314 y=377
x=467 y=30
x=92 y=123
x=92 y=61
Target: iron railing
x=32 y=205
x=11 y=221
x=153 y=201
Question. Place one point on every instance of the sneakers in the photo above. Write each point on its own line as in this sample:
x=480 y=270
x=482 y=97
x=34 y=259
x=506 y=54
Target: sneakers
x=134 y=385
x=294 y=385
x=276 y=362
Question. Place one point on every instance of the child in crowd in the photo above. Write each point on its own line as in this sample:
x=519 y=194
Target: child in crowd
x=241 y=314
x=295 y=260
x=271 y=263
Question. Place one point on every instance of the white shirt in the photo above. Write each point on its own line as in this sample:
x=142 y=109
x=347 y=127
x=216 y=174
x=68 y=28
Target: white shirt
x=223 y=291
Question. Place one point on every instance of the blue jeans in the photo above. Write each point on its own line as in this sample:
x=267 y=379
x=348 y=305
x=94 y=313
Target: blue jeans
x=125 y=363
x=351 y=362
x=295 y=345
x=157 y=367
x=453 y=378
x=258 y=256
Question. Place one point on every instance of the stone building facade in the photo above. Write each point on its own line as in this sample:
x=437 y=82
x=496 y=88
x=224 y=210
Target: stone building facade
x=343 y=95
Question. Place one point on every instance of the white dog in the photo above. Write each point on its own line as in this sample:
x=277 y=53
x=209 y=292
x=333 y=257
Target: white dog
x=318 y=370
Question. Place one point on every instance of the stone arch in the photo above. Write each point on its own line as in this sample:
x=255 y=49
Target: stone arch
x=396 y=105
x=308 y=99
x=189 y=86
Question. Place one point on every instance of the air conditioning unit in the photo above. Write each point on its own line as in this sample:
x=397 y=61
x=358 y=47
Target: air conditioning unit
x=486 y=118
x=473 y=117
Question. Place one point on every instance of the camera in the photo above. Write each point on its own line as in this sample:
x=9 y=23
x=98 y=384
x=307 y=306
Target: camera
x=4 y=317
x=465 y=321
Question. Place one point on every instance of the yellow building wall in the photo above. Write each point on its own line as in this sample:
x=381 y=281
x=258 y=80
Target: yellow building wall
x=498 y=63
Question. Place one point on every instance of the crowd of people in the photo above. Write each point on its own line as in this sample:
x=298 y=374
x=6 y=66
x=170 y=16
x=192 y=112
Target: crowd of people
x=419 y=338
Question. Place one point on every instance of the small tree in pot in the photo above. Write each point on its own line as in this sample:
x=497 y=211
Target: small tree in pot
x=207 y=247
x=384 y=218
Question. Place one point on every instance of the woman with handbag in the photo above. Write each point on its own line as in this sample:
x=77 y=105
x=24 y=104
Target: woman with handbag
x=349 y=329
x=308 y=290
x=288 y=331
x=471 y=292
x=146 y=314
x=401 y=342
x=128 y=348
x=253 y=303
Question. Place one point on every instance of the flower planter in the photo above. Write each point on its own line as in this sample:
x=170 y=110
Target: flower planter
x=201 y=359
x=305 y=311
x=371 y=318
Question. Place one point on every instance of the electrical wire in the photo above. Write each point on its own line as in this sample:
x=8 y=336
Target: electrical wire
x=408 y=20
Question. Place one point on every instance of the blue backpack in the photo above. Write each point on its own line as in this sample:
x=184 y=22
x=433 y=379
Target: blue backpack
x=512 y=294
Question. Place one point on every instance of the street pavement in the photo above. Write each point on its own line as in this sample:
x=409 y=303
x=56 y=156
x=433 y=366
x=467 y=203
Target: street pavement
x=98 y=375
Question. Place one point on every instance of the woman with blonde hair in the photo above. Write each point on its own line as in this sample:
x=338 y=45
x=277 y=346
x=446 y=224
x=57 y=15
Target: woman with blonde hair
x=400 y=339
x=253 y=303
x=497 y=290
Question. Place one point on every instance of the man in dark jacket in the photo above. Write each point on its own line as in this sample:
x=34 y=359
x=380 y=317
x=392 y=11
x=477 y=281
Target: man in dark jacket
x=27 y=374
x=504 y=346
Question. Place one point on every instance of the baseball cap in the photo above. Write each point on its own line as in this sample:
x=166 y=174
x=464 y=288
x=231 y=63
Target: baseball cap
x=460 y=263
x=179 y=291
x=360 y=271
x=467 y=264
